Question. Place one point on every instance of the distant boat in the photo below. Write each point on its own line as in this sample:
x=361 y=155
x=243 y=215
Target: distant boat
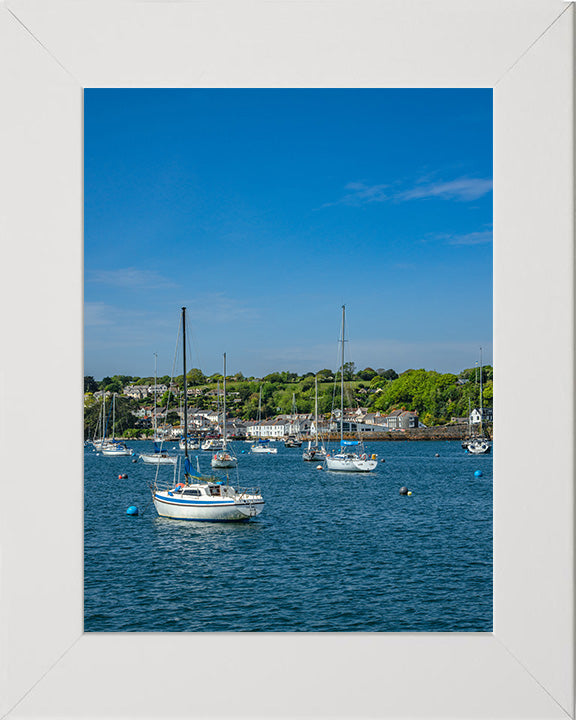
x=295 y=438
x=115 y=448
x=193 y=443
x=346 y=459
x=223 y=458
x=159 y=456
x=478 y=444
x=198 y=497
x=315 y=450
x=100 y=432
x=262 y=445
x=211 y=444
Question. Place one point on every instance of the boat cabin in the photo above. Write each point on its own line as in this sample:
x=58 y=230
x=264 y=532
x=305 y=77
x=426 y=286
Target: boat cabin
x=210 y=489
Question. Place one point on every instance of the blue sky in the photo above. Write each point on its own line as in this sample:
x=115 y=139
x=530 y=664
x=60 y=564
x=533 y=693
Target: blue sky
x=263 y=211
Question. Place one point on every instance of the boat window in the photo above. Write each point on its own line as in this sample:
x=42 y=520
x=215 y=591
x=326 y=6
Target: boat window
x=214 y=489
x=193 y=491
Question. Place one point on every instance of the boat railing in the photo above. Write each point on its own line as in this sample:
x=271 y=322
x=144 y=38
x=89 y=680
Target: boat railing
x=247 y=492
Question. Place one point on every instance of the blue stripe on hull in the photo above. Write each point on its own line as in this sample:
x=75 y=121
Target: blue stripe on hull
x=209 y=503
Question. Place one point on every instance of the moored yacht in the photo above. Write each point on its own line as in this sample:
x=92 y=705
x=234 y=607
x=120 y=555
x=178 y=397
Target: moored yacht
x=224 y=458
x=345 y=459
x=203 y=498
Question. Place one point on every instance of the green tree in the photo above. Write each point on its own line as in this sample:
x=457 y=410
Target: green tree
x=90 y=385
x=366 y=374
x=172 y=418
x=194 y=378
x=124 y=417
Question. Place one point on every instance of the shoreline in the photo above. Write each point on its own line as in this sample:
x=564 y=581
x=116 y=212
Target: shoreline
x=441 y=433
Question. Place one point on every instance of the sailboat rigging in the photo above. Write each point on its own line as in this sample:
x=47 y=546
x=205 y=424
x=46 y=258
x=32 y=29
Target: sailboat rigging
x=113 y=447
x=198 y=497
x=346 y=459
x=224 y=458
x=262 y=446
x=315 y=450
x=479 y=444
x=159 y=456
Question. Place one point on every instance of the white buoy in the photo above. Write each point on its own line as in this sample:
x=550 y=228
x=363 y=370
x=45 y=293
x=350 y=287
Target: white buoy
x=318 y=467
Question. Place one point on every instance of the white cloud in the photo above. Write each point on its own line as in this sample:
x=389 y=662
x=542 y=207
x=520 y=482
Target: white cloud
x=461 y=189
x=474 y=238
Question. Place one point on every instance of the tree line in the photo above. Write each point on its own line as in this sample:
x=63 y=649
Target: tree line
x=437 y=397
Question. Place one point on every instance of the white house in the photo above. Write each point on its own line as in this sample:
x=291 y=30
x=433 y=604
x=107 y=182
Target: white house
x=476 y=415
x=268 y=429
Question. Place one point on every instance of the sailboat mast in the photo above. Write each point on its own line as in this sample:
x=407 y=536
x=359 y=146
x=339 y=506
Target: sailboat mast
x=342 y=382
x=104 y=418
x=185 y=385
x=113 y=415
x=481 y=408
x=316 y=407
x=224 y=407
x=155 y=383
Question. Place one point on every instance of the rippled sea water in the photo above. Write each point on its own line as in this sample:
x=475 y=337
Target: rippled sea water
x=330 y=551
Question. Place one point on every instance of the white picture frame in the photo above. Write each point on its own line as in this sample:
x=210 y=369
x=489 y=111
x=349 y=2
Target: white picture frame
x=50 y=50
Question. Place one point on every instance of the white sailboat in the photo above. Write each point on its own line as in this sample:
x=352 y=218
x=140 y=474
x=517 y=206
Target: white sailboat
x=159 y=456
x=315 y=450
x=98 y=442
x=201 y=498
x=479 y=444
x=262 y=446
x=294 y=438
x=224 y=458
x=347 y=460
x=115 y=448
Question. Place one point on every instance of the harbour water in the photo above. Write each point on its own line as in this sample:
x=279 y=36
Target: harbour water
x=331 y=552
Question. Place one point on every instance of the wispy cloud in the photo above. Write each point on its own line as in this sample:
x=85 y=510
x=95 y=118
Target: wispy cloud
x=474 y=238
x=360 y=194
x=481 y=237
x=131 y=278
x=461 y=189
x=98 y=313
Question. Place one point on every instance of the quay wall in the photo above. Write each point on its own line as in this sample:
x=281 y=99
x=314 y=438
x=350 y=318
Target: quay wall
x=443 y=432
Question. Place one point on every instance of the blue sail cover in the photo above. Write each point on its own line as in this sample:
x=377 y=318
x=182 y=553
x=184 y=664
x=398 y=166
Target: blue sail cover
x=156 y=447
x=187 y=468
x=349 y=442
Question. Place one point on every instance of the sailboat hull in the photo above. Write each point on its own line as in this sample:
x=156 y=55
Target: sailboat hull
x=350 y=464
x=478 y=447
x=223 y=460
x=116 y=452
x=314 y=455
x=158 y=459
x=211 y=511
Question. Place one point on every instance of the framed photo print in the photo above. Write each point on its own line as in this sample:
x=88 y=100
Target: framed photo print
x=448 y=104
